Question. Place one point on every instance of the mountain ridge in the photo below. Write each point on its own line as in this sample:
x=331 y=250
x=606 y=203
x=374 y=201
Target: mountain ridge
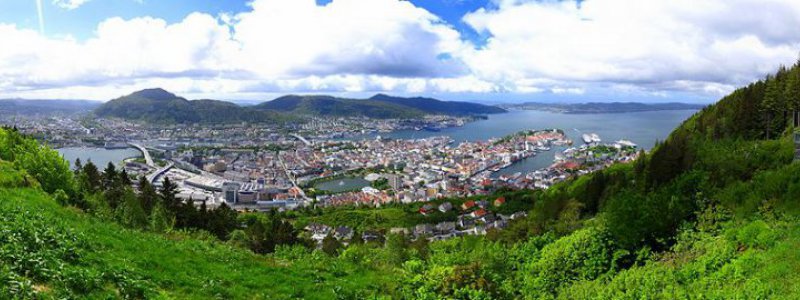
x=160 y=106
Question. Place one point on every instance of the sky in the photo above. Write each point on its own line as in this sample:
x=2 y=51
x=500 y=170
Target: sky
x=493 y=51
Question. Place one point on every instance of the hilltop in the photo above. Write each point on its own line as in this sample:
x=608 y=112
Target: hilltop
x=339 y=107
x=46 y=106
x=378 y=106
x=160 y=106
x=712 y=212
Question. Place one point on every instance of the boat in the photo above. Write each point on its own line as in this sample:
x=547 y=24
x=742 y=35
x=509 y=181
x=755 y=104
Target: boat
x=590 y=138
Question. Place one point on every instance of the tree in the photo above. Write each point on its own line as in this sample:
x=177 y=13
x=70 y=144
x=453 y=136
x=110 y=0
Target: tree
x=124 y=178
x=78 y=166
x=147 y=195
x=223 y=221
x=330 y=245
x=92 y=180
x=160 y=220
x=772 y=103
x=397 y=248
x=792 y=94
x=130 y=212
x=110 y=176
x=421 y=245
x=357 y=238
x=168 y=194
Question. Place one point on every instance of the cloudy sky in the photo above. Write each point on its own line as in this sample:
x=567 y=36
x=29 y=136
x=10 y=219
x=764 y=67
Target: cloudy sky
x=482 y=50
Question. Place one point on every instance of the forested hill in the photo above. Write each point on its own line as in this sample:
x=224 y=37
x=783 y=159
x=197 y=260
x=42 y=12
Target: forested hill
x=338 y=107
x=710 y=213
x=160 y=106
x=434 y=106
x=45 y=106
x=378 y=106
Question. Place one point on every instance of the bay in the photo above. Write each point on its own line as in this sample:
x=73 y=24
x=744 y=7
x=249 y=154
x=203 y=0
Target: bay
x=642 y=128
x=99 y=156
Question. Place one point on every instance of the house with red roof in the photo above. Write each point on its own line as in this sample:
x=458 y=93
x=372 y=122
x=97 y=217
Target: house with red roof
x=500 y=201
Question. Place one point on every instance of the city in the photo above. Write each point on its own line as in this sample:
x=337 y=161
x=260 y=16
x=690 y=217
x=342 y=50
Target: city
x=399 y=149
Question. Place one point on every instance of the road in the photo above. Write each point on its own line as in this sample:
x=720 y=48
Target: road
x=302 y=139
x=147 y=158
x=291 y=178
x=153 y=176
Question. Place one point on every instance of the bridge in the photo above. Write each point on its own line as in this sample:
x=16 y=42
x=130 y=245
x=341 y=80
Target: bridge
x=151 y=178
x=302 y=139
x=147 y=158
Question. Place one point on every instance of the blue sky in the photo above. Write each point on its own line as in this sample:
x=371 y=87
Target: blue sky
x=481 y=50
x=81 y=22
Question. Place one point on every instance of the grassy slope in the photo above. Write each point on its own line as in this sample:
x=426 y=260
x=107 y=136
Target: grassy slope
x=117 y=261
x=721 y=256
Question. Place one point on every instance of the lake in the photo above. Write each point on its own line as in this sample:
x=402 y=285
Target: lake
x=99 y=156
x=642 y=128
x=342 y=184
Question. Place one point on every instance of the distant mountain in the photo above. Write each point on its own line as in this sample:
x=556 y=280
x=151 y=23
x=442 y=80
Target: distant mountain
x=160 y=106
x=41 y=107
x=332 y=106
x=434 y=106
x=600 y=108
x=378 y=106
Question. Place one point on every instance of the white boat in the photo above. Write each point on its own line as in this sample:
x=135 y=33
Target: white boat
x=591 y=138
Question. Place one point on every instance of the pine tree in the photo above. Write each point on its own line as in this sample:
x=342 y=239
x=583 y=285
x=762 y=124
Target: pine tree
x=110 y=176
x=223 y=221
x=168 y=194
x=147 y=195
x=93 y=179
x=78 y=166
x=792 y=94
x=330 y=245
x=772 y=103
x=124 y=178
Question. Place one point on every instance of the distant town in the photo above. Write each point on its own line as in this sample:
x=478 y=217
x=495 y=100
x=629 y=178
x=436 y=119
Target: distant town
x=335 y=161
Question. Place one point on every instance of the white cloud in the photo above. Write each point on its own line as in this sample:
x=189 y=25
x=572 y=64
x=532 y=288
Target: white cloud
x=381 y=37
x=280 y=46
x=69 y=4
x=700 y=45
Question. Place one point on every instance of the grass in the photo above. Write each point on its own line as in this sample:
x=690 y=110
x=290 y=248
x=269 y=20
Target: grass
x=49 y=251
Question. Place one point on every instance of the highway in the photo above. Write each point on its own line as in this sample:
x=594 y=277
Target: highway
x=147 y=158
x=302 y=139
x=153 y=176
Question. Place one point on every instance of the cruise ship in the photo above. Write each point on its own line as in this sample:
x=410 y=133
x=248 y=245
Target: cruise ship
x=590 y=138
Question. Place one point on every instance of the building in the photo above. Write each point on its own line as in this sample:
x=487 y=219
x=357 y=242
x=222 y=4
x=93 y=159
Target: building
x=445 y=207
x=500 y=201
x=246 y=197
x=230 y=190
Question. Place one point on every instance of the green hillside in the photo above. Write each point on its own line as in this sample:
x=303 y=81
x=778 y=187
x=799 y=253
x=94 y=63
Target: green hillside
x=160 y=106
x=331 y=106
x=710 y=213
x=434 y=106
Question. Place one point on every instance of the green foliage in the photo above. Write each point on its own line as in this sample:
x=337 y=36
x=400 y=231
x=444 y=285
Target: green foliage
x=330 y=245
x=43 y=163
x=331 y=106
x=159 y=106
x=584 y=255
